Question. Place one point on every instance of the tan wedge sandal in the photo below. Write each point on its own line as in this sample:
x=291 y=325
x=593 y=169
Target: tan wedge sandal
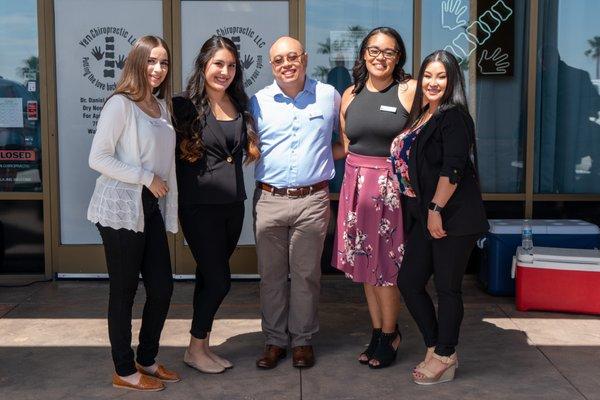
x=430 y=378
x=428 y=355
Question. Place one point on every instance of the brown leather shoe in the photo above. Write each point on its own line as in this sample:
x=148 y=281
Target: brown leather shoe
x=161 y=373
x=146 y=384
x=303 y=356
x=271 y=357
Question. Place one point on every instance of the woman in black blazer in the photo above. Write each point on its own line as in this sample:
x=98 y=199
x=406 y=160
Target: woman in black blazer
x=435 y=160
x=214 y=129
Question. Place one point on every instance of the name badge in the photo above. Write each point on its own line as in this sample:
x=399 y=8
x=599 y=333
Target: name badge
x=387 y=109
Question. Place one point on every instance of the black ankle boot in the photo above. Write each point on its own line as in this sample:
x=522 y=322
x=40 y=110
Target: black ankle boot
x=385 y=354
x=370 y=350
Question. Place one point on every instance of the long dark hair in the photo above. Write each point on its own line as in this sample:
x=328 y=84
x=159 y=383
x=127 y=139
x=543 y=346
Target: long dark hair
x=454 y=94
x=453 y=97
x=133 y=83
x=191 y=145
x=360 y=73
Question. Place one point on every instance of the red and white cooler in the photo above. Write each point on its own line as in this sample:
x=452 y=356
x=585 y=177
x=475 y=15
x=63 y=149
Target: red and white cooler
x=555 y=279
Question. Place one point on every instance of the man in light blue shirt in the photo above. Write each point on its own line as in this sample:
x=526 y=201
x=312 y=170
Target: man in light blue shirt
x=295 y=118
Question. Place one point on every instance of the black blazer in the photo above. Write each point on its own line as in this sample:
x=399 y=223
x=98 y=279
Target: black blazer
x=442 y=148
x=217 y=177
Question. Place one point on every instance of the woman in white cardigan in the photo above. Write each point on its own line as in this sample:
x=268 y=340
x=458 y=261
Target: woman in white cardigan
x=134 y=150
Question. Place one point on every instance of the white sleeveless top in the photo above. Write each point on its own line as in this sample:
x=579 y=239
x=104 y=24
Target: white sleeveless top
x=129 y=148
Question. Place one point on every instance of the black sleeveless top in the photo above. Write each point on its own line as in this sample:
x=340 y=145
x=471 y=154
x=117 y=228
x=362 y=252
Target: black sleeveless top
x=373 y=120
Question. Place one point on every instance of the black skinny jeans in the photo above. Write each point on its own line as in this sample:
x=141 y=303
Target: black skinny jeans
x=212 y=232
x=447 y=260
x=128 y=254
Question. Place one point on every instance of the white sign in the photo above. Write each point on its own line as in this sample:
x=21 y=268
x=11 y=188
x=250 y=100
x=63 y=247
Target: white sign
x=92 y=43
x=253 y=26
x=11 y=112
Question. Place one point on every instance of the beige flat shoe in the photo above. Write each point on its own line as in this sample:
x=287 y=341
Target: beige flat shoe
x=207 y=370
x=429 y=378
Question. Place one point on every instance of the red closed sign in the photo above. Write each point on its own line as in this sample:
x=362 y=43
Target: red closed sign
x=17 y=155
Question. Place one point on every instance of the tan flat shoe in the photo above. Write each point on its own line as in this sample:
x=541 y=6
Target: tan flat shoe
x=161 y=373
x=431 y=378
x=146 y=384
x=189 y=361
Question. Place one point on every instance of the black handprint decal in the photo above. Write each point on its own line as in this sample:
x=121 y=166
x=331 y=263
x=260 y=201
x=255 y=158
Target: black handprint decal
x=121 y=62
x=247 y=62
x=97 y=53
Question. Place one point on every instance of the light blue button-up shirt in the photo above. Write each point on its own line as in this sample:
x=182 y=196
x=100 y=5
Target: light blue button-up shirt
x=295 y=134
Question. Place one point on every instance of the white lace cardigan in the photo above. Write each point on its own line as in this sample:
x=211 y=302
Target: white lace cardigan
x=117 y=198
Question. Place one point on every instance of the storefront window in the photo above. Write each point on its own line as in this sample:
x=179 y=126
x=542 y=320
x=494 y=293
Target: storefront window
x=490 y=43
x=253 y=26
x=568 y=97
x=334 y=30
x=20 y=152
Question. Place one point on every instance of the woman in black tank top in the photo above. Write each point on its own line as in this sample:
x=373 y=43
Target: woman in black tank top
x=369 y=241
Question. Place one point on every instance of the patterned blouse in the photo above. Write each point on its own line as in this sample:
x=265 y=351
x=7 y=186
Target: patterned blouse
x=400 y=150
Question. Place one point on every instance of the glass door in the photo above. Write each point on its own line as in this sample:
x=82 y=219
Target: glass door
x=253 y=26
x=21 y=189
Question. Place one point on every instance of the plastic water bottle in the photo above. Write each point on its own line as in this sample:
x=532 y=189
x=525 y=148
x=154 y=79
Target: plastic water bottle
x=527 y=236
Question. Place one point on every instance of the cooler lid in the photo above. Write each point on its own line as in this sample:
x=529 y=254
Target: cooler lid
x=544 y=226
x=559 y=258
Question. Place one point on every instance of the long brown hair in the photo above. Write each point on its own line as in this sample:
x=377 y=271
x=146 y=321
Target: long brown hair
x=133 y=83
x=191 y=145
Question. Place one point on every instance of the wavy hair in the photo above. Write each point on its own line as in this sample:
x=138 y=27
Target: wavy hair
x=191 y=145
x=454 y=94
x=360 y=73
x=133 y=83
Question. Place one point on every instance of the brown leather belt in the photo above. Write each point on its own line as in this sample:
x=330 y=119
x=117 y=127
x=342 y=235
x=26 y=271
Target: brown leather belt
x=301 y=191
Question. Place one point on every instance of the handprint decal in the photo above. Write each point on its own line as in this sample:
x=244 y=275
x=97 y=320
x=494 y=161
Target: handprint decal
x=97 y=53
x=247 y=61
x=120 y=63
x=496 y=60
x=453 y=13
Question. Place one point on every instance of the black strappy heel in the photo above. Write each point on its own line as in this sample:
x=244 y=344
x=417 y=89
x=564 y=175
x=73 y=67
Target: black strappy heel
x=385 y=353
x=370 y=350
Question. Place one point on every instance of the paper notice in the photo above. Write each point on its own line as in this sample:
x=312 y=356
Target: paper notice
x=11 y=112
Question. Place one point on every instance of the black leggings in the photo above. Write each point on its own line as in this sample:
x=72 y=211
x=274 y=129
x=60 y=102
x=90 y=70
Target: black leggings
x=212 y=232
x=447 y=260
x=128 y=254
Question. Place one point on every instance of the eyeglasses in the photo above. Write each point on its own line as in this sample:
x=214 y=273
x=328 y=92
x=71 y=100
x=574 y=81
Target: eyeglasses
x=387 y=53
x=293 y=58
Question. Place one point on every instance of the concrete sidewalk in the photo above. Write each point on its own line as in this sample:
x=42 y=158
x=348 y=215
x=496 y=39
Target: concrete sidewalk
x=54 y=345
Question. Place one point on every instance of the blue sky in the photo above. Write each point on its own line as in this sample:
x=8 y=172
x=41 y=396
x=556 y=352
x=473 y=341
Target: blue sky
x=577 y=22
x=18 y=35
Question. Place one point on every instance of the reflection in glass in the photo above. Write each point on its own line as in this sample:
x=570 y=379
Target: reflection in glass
x=494 y=36
x=20 y=151
x=334 y=30
x=567 y=98
x=500 y=105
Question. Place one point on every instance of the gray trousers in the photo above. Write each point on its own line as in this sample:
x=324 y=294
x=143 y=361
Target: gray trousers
x=289 y=236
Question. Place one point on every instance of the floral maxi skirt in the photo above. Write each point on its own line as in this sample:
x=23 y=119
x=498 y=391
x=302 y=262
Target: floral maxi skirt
x=369 y=241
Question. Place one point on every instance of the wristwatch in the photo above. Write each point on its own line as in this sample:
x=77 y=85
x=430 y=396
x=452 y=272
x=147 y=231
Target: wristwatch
x=435 y=207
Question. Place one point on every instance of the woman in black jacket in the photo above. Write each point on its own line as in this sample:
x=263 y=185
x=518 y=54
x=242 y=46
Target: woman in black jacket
x=214 y=130
x=435 y=161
